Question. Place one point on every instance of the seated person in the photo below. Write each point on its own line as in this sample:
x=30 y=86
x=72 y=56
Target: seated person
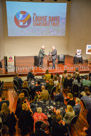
x=87 y=99
x=77 y=107
x=44 y=95
x=68 y=81
x=42 y=131
x=37 y=86
x=3 y=101
x=25 y=122
x=47 y=75
x=40 y=116
x=58 y=96
x=78 y=57
x=19 y=81
x=8 y=118
x=70 y=100
x=20 y=101
x=55 y=113
x=88 y=130
x=55 y=80
x=69 y=114
x=58 y=127
x=86 y=81
x=25 y=86
x=49 y=85
x=30 y=75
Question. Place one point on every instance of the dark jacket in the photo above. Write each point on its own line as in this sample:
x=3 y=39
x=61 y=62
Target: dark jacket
x=41 y=53
x=58 y=129
x=54 y=54
x=25 y=122
x=59 y=97
x=30 y=76
x=77 y=109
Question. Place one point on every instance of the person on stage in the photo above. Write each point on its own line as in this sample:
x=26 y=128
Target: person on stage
x=41 y=56
x=54 y=56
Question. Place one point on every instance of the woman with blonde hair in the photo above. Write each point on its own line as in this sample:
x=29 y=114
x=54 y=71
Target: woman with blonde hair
x=50 y=85
x=69 y=114
x=5 y=110
x=25 y=122
x=47 y=75
x=25 y=84
x=9 y=120
x=40 y=116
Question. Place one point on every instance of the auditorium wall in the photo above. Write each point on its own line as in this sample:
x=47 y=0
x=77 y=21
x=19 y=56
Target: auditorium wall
x=2 y=49
x=29 y=46
x=78 y=29
x=80 y=26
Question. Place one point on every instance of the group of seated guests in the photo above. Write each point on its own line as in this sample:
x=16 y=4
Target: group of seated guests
x=38 y=123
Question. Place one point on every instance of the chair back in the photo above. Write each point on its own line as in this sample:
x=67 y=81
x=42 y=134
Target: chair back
x=84 y=104
x=61 y=58
x=74 y=119
x=38 y=124
x=16 y=83
x=26 y=93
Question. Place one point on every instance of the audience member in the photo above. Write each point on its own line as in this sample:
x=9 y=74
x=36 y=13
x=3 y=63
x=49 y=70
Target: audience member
x=86 y=81
x=58 y=96
x=58 y=127
x=44 y=95
x=70 y=99
x=47 y=75
x=77 y=107
x=50 y=85
x=55 y=80
x=40 y=116
x=25 y=122
x=30 y=75
x=69 y=114
x=68 y=81
x=87 y=100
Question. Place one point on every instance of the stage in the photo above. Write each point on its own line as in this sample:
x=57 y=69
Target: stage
x=25 y=63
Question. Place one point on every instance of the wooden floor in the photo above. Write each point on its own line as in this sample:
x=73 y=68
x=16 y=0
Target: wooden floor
x=81 y=122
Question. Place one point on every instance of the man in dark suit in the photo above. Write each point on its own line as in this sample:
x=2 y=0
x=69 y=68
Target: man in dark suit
x=41 y=56
x=54 y=56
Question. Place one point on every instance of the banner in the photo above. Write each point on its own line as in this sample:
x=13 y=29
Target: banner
x=10 y=64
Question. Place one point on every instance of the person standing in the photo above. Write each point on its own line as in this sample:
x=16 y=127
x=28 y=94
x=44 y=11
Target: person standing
x=54 y=56
x=41 y=56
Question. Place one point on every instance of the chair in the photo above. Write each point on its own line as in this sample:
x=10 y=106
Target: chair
x=26 y=93
x=52 y=91
x=73 y=124
x=1 y=126
x=16 y=86
x=61 y=59
x=84 y=105
x=75 y=90
x=16 y=83
x=0 y=64
x=38 y=124
x=1 y=87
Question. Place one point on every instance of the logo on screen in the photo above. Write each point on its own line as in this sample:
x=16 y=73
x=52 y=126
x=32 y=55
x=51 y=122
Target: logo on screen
x=22 y=19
